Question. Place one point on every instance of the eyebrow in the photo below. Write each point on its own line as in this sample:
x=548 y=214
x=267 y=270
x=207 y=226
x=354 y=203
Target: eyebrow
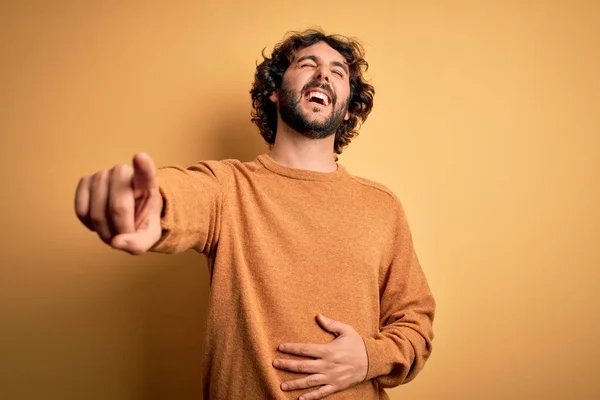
x=316 y=59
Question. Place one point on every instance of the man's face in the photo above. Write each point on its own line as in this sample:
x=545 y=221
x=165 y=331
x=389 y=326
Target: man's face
x=313 y=98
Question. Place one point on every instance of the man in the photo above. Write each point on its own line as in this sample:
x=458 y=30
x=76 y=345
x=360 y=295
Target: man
x=316 y=290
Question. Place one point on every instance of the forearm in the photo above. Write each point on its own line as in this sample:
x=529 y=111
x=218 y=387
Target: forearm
x=191 y=207
x=399 y=351
x=403 y=343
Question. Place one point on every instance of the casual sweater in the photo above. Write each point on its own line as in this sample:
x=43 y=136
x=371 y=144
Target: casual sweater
x=284 y=245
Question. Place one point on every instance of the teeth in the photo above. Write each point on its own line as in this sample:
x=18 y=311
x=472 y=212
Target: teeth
x=319 y=95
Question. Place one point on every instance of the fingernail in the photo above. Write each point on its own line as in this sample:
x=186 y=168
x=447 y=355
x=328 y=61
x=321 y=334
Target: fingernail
x=284 y=386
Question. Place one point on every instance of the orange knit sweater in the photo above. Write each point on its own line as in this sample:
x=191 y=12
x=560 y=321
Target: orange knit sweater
x=284 y=245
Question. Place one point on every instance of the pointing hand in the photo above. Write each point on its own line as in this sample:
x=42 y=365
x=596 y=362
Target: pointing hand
x=122 y=205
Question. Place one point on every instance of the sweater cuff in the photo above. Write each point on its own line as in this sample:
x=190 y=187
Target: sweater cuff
x=381 y=355
x=166 y=244
x=376 y=358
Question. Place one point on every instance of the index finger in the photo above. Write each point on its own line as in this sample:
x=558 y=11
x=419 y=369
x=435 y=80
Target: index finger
x=303 y=349
x=144 y=175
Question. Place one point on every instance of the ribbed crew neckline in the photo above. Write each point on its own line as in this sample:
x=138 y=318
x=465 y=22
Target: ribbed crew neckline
x=301 y=174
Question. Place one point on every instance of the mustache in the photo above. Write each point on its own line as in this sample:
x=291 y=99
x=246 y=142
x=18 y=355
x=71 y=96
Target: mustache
x=326 y=88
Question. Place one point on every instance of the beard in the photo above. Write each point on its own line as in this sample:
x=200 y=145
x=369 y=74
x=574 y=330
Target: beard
x=294 y=117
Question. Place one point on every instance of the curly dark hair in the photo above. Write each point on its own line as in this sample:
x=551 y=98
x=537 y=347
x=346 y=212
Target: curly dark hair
x=269 y=76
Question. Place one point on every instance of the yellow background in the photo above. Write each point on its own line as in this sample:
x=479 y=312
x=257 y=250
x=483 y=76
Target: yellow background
x=486 y=124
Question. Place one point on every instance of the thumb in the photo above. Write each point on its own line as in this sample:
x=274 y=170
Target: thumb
x=134 y=243
x=332 y=326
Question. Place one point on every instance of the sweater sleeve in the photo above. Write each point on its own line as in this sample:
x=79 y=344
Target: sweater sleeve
x=398 y=352
x=192 y=207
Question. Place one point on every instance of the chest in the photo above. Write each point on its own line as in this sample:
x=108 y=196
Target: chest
x=311 y=235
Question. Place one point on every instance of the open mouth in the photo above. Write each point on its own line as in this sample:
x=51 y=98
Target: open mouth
x=317 y=97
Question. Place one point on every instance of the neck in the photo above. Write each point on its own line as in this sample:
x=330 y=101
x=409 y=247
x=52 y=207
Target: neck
x=294 y=150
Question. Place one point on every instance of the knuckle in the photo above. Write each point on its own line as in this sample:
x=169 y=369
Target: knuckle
x=83 y=181
x=99 y=225
x=117 y=208
x=304 y=350
x=81 y=211
x=302 y=367
x=312 y=382
x=104 y=237
x=118 y=168
x=121 y=171
x=99 y=176
x=97 y=220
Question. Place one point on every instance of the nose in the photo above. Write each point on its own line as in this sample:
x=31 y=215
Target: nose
x=322 y=74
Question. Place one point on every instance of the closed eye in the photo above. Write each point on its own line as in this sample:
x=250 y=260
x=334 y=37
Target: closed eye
x=338 y=73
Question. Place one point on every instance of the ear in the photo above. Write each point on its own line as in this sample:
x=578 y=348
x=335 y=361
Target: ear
x=274 y=96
